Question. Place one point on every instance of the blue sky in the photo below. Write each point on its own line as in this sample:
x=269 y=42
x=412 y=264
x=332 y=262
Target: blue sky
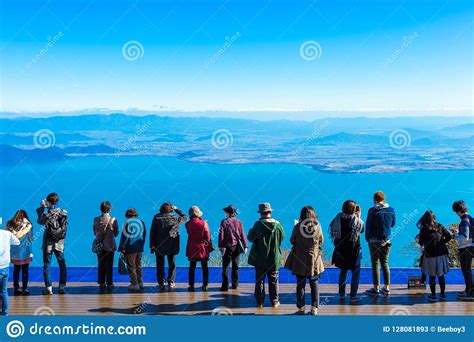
x=237 y=55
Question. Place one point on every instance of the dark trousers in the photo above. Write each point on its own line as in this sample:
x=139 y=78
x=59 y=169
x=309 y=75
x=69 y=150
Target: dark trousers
x=272 y=275
x=355 y=276
x=24 y=276
x=160 y=269
x=231 y=254
x=47 y=267
x=205 y=272
x=442 y=284
x=300 y=291
x=106 y=266
x=465 y=256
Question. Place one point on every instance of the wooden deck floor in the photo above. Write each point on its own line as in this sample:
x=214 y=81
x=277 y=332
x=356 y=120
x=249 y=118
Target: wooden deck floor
x=84 y=299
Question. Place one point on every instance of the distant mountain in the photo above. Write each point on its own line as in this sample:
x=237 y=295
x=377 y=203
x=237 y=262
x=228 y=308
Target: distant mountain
x=29 y=139
x=12 y=155
x=91 y=149
x=348 y=138
x=465 y=130
x=171 y=138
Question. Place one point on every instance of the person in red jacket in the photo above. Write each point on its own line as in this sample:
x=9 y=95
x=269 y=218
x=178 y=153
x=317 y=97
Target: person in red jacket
x=199 y=246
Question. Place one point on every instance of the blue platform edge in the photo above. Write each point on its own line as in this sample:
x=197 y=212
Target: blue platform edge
x=246 y=275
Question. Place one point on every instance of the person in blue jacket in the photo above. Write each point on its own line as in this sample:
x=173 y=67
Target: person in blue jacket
x=378 y=230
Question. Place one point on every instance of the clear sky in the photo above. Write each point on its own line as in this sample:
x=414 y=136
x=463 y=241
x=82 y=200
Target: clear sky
x=237 y=55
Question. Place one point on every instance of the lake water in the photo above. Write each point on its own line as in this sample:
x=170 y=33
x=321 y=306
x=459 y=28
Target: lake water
x=145 y=182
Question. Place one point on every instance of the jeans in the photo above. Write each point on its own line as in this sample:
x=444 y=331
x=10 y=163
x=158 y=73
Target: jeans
x=105 y=262
x=160 y=269
x=465 y=256
x=134 y=263
x=231 y=254
x=24 y=276
x=300 y=291
x=4 y=293
x=355 y=276
x=47 y=267
x=379 y=255
x=272 y=275
x=205 y=272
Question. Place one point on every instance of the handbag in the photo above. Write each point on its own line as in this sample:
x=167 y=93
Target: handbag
x=122 y=265
x=240 y=245
x=98 y=245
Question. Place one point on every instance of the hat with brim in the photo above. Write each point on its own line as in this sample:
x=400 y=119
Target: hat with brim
x=230 y=209
x=264 y=208
x=195 y=211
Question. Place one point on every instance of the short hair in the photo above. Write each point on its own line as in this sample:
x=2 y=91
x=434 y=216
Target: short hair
x=349 y=207
x=460 y=207
x=379 y=197
x=131 y=213
x=105 y=207
x=166 y=208
x=53 y=198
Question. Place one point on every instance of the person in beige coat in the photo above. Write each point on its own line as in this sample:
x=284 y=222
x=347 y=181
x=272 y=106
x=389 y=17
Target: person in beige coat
x=305 y=259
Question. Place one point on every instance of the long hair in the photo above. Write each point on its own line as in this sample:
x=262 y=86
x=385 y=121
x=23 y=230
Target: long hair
x=309 y=216
x=428 y=221
x=19 y=216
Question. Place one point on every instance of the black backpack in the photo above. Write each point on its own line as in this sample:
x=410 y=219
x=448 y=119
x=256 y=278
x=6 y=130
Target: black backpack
x=56 y=225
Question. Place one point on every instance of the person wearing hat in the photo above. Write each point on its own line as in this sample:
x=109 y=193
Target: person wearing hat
x=199 y=246
x=164 y=241
x=266 y=236
x=232 y=243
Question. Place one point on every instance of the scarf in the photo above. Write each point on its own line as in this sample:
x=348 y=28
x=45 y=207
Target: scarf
x=356 y=225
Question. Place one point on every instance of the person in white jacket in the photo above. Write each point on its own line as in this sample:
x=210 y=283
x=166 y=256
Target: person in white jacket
x=6 y=240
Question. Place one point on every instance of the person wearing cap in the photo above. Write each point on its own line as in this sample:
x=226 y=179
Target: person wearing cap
x=266 y=236
x=199 y=246
x=232 y=243
x=164 y=241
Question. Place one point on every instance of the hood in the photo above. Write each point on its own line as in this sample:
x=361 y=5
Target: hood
x=381 y=206
x=269 y=224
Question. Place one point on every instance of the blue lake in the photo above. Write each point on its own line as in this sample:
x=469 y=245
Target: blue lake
x=144 y=182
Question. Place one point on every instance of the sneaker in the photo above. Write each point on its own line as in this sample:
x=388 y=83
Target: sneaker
x=17 y=292
x=161 y=288
x=276 y=304
x=141 y=286
x=171 y=285
x=204 y=288
x=3 y=313
x=314 y=311
x=385 y=292
x=465 y=297
x=442 y=297
x=431 y=298
x=372 y=292
x=259 y=306
x=342 y=296
x=48 y=291
x=25 y=292
x=61 y=290
x=110 y=287
x=301 y=311
x=134 y=288
x=355 y=299
x=190 y=288
x=224 y=289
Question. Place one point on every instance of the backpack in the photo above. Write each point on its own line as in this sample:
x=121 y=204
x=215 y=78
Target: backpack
x=56 y=225
x=470 y=221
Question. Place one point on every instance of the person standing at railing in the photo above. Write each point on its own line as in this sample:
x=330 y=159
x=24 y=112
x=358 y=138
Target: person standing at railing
x=232 y=243
x=379 y=224
x=164 y=242
x=266 y=236
x=7 y=239
x=305 y=258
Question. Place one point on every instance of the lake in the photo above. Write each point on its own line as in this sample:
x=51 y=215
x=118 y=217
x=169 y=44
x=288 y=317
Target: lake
x=144 y=182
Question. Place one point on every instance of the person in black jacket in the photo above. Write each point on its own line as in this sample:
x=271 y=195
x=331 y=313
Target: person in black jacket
x=164 y=241
x=378 y=230
x=434 y=237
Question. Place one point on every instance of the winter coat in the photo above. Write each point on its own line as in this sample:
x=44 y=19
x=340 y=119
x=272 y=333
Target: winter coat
x=199 y=239
x=266 y=236
x=133 y=236
x=227 y=238
x=164 y=233
x=105 y=229
x=379 y=223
